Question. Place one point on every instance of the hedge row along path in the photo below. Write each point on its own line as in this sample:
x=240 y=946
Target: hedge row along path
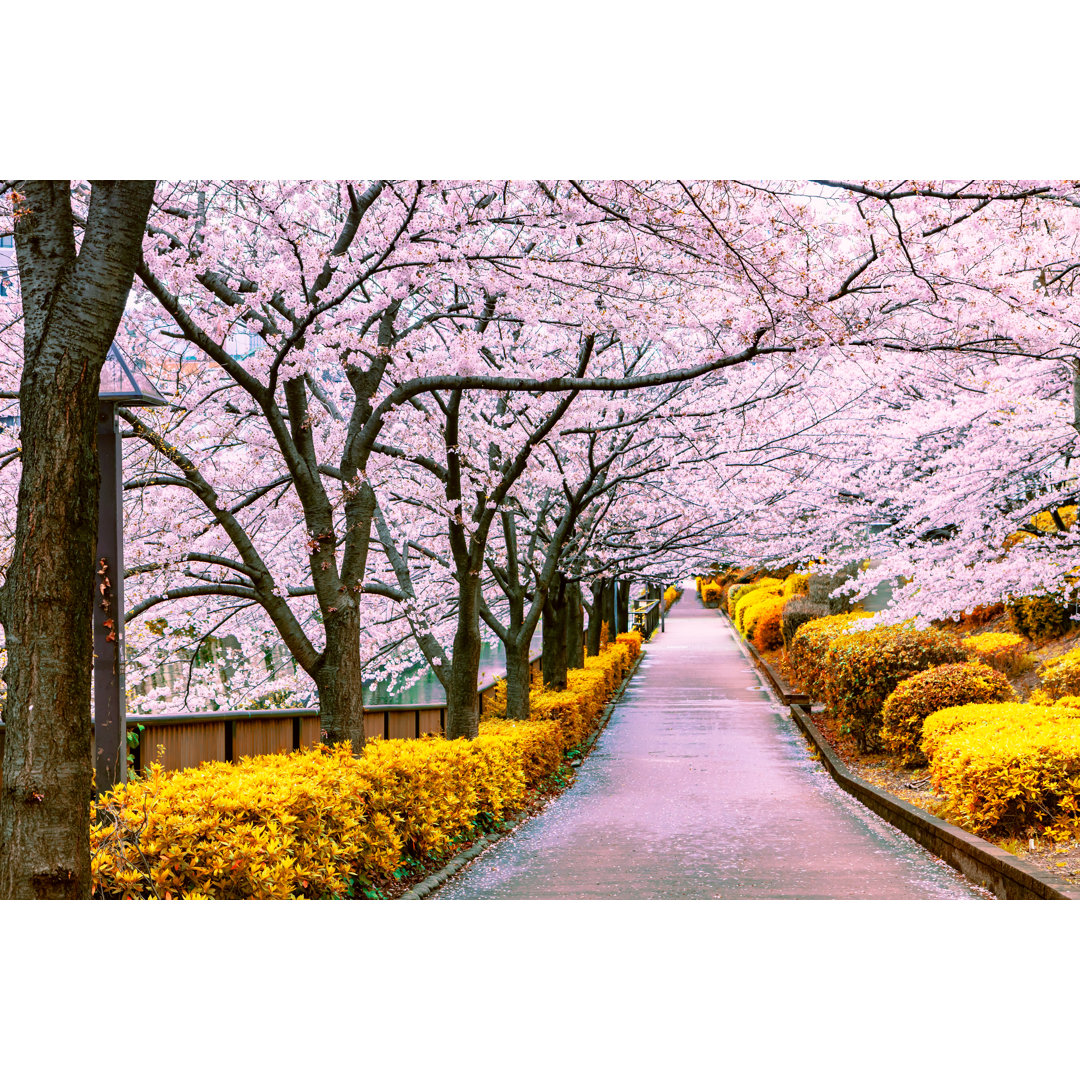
x=701 y=788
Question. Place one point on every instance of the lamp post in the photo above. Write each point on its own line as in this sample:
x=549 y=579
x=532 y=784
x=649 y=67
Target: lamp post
x=121 y=384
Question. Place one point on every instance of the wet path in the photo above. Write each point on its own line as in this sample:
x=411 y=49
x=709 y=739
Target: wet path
x=700 y=788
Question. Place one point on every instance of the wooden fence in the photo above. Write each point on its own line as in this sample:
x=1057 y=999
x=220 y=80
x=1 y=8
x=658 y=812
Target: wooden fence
x=182 y=740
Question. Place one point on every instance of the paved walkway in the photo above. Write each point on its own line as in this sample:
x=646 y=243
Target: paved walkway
x=700 y=788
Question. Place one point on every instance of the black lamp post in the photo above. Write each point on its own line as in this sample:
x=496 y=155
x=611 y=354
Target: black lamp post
x=121 y=384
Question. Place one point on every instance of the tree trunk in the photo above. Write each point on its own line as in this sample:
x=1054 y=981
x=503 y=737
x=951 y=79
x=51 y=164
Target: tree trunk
x=607 y=608
x=592 y=641
x=575 y=626
x=622 y=616
x=72 y=306
x=339 y=679
x=462 y=700
x=518 y=679
x=553 y=661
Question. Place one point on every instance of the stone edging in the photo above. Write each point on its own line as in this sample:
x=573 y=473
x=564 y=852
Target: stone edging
x=978 y=860
x=433 y=881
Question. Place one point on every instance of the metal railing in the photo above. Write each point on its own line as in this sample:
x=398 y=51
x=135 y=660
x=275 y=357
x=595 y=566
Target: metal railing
x=645 y=617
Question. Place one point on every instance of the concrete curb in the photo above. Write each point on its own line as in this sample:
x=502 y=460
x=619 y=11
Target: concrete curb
x=978 y=860
x=440 y=877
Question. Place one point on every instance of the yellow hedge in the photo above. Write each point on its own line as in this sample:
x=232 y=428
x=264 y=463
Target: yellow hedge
x=737 y=592
x=763 y=623
x=1007 y=768
x=749 y=599
x=671 y=594
x=1005 y=652
x=1061 y=675
x=810 y=644
x=315 y=823
x=710 y=594
x=321 y=823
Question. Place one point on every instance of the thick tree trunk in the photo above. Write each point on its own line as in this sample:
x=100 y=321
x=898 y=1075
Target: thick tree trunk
x=592 y=641
x=607 y=608
x=462 y=700
x=71 y=309
x=622 y=617
x=553 y=661
x=518 y=680
x=575 y=626
x=340 y=681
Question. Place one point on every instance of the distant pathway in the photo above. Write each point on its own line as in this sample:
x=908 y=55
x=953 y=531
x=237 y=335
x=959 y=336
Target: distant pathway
x=699 y=788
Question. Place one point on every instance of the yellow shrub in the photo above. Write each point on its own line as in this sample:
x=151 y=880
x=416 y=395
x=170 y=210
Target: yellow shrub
x=944 y=686
x=564 y=708
x=810 y=644
x=1005 y=652
x=710 y=594
x=751 y=598
x=737 y=592
x=763 y=623
x=316 y=823
x=541 y=745
x=671 y=594
x=633 y=641
x=796 y=585
x=1061 y=675
x=1005 y=769
x=753 y=611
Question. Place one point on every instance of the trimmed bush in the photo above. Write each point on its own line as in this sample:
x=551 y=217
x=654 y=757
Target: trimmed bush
x=737 y=592
x=863 y=669
x=763 y=623
x=314 y=823
x=797 y=611
x=710 y=594
x=1061 y=675
x=942 y=687
x=1005 y=769
x=810 y=644
x=1005 y=652
x=939 y=725
x=750 y=599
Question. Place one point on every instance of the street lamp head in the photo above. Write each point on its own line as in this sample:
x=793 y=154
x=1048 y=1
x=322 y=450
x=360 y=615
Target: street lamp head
x=122 y=383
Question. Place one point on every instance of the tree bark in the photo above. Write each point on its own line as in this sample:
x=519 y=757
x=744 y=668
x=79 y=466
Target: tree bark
x=596 y=615
x=462 y=700
x=575 y=626
x=339 y=680
x=622 y=617
x=553 y=660
x=72 y=305
x=518 y=680
x=607 y=608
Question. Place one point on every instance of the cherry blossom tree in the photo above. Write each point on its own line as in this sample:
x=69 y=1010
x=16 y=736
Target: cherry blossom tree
x=73 y=280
